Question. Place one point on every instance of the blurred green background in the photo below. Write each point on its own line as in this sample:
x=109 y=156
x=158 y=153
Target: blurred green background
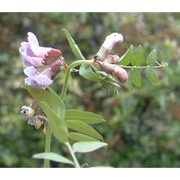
x=143 y=126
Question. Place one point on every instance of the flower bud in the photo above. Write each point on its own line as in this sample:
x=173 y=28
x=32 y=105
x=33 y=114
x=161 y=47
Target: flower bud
x=121 y=74
x=115 y=70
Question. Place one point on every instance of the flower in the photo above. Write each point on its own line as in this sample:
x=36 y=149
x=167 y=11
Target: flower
x=110 y=41
x=35 y=55
x=44 y=78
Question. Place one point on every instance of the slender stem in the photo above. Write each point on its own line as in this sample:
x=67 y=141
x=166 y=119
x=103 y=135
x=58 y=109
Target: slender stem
x=68 y=71
x=47 y=144
x=144 y=67
x=73 y=155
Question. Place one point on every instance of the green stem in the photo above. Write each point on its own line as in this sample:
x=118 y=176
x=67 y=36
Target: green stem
x=73 y=155
x=68 y=71
x=47 y=144
x=144 y=67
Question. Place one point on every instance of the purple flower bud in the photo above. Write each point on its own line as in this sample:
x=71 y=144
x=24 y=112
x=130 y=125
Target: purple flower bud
x=121 y=74
x=43 y=79
x=35 y=55
x=111 y=40
x=115 y=70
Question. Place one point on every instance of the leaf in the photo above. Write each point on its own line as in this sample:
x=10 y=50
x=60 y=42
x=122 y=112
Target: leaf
x=83 y=128
x=135 y=77
x=53 y=157
x=58 y=126
x=73 y=45
x=50 y=98
x=38 y=94
x=138 y=57
x=87 y=146
x=57 y=105
x=152 y=57
x=126 y=58
x=151 y=75
x=87 y=72
x=129 y=86
x=80 y=137
x=84 y=116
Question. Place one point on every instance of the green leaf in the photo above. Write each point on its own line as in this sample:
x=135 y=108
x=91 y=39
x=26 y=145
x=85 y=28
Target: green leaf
x=129 y=86
x=87 y=72
x=38 y=94
x=151 y=75
x=83 y=128
x=127 y=57
x=152 y=57
x=135 y=77
x=58 y=126
x=84 y=116
x=73 y=45
x=51 y=98
x=138 y=57
x=80 y=137
x=87 y=146
x=57 y=104
x=53 y=157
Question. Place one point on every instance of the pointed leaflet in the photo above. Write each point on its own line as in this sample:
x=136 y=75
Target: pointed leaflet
x=84 y=116
x=53 y=157
x=127 y=57
x=58 y=126
x=135 y=77
x=151 y=75
x=152 y=57
x=83 y=128
x=80 y=137
x=73 y=45
x=138 y=57
x=87 y=146
x=87 y=72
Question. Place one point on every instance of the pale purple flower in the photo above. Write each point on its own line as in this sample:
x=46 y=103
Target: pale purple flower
x=44 y=78
x=112 y=40
x=35 y=55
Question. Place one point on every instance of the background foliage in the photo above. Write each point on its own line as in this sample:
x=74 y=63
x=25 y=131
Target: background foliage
x=143 y=126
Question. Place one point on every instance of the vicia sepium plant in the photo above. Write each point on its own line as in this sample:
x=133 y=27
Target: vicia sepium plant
x=72 y=127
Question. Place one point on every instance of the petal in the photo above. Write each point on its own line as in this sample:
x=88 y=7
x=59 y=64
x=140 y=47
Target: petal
x=31 y=71
x=32 y=38
x=39 y=51
x=42 y=80
x=111 y=40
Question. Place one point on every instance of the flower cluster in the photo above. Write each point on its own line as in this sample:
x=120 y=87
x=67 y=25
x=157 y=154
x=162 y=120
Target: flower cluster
x=107 y=61
x=35 y=56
